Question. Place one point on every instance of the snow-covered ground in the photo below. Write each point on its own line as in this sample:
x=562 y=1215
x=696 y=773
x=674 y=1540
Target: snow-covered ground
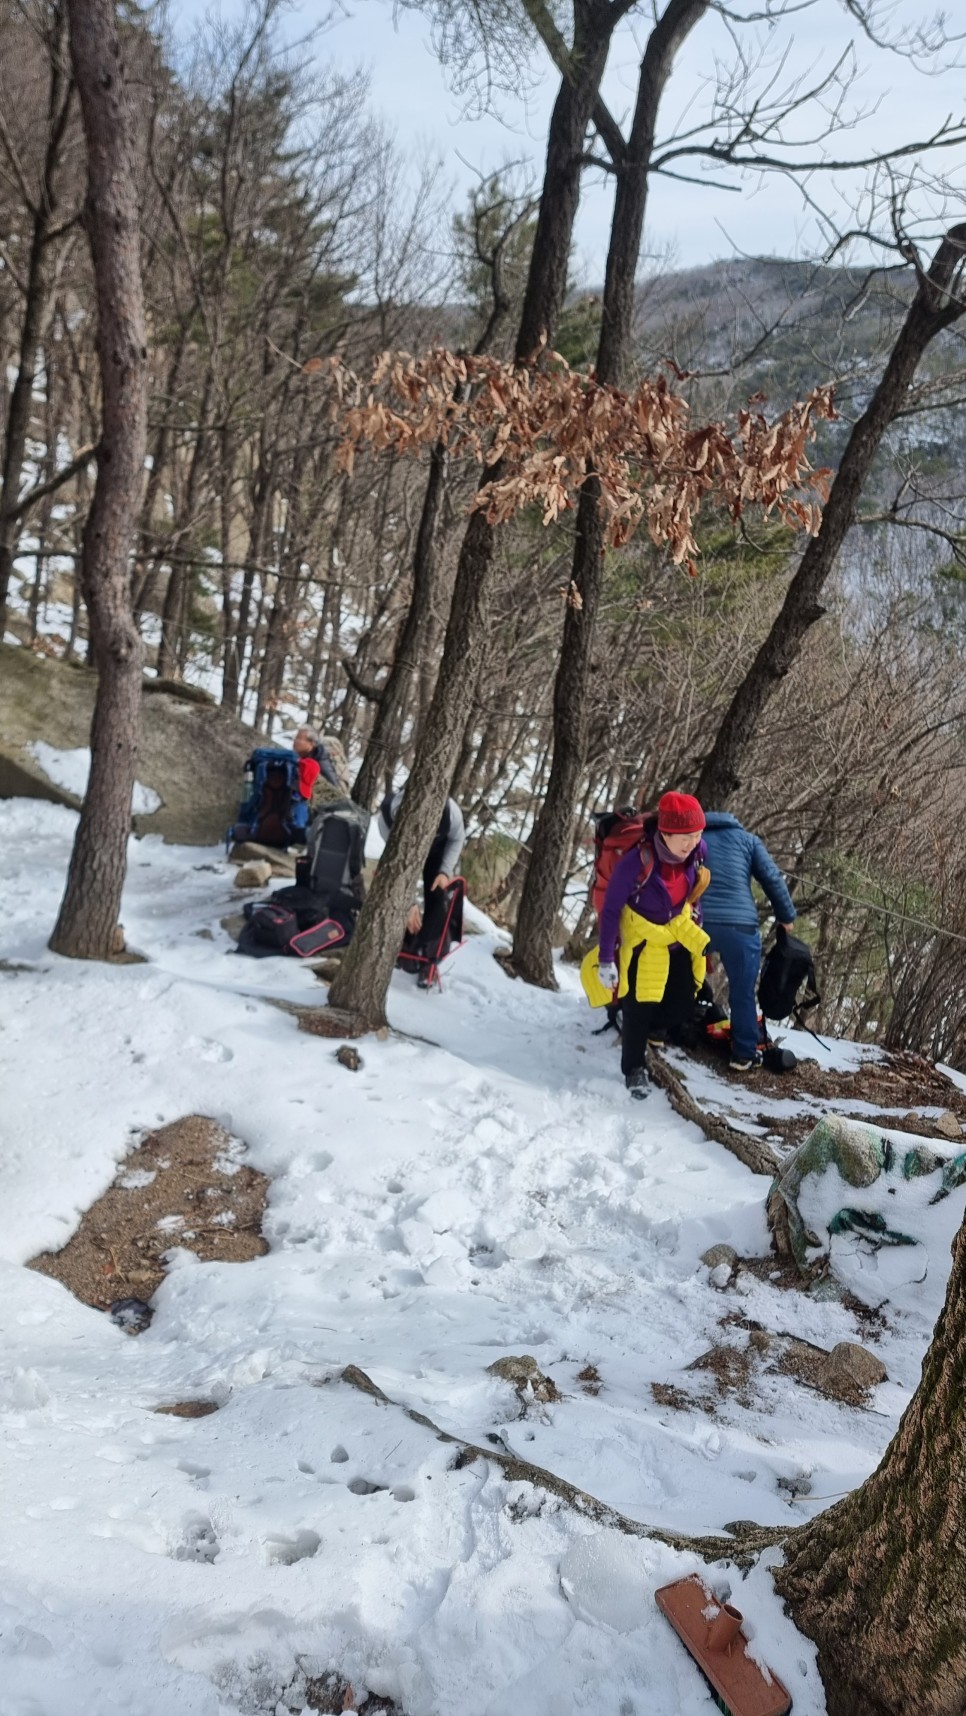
x=70 y=770
x=481 y=1187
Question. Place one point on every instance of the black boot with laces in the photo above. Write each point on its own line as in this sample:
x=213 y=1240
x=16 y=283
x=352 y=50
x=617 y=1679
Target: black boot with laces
x=638 y=1083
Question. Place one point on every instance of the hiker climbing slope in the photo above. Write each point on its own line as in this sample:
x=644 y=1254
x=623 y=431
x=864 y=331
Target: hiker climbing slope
x=730 y=915
x=651 y=948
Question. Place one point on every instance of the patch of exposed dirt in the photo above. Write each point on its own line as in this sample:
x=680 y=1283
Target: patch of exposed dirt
x=678 y=1399
x=590 y=1379
x=188 y=1409
x=330 y=1694
x=526 y=1377
x=899 y=1086
x=732 y=1369
x=788 y=1278
x=185 y=1185
x=733 y=1372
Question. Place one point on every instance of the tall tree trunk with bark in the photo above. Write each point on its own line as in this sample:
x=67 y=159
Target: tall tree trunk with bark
x=879 y=1580
x=363 y=979
x=36 y=308
x=174 y=640
x=87 y=923
x=379 y=755
x=551 y=840
x=937 y=304
x=414 y=650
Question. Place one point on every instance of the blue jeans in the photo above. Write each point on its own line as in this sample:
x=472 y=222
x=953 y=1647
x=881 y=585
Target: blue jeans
x=740 y=952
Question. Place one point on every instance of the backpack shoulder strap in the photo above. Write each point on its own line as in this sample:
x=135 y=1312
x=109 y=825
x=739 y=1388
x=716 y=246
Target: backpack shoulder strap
x=647 y=862
x=702 y=881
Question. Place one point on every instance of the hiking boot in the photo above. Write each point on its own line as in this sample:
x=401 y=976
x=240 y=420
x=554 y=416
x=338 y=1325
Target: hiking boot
x=423 y=981
x=638 y=1083
x=745 y=1066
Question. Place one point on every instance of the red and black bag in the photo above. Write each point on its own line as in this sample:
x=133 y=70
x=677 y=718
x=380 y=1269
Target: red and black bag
x=424 y=951
x=271 y=928
x=311 y=942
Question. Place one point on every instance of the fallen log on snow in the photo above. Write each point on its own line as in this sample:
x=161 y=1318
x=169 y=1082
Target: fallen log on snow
x=743 y=1547
x=750 y=1151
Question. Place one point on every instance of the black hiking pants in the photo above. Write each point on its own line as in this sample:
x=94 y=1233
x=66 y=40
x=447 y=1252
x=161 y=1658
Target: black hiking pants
x=652 y=1021
x=436 y=904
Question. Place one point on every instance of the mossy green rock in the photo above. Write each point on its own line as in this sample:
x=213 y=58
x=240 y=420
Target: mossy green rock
x=920 y=1160
x=859 y=1153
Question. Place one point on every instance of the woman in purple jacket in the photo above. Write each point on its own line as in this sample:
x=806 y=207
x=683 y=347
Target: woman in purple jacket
x=656 y=880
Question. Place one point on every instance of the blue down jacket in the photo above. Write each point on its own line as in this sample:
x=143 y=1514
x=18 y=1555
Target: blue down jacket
x=734 y=858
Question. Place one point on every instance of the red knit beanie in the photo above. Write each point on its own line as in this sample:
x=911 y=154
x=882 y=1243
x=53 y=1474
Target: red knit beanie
x=679 y=813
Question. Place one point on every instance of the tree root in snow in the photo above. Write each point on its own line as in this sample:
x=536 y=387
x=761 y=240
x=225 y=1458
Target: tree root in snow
x=743 y=1546
x=749 y=1150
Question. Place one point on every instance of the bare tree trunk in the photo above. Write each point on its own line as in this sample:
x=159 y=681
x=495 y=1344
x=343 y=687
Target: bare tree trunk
x=552 y=835
x=233 y=674
x=879 y=1580
x=415 y=647
x=283 y=617
x=87 y=923
x=147 y=560
x=937 y=304
x=172 y=647
x=363 y=979
x=379 y=757
x=36 y=308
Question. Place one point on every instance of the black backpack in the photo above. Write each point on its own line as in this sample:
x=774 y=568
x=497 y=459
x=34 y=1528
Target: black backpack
x=336 y=852
x=271 y=926
x=788 y=965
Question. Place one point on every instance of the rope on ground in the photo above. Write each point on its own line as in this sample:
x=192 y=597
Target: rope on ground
x=743 y=1547
x=750 y=1151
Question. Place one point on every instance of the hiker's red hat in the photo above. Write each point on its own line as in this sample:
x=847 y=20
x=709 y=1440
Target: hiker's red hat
x=679 y=813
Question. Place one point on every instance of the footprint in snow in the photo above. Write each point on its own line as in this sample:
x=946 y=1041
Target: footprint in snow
x=198 y=1542
x=286 y=1551
x=198 y=1475
x=206 y=1049
x=399 y=1492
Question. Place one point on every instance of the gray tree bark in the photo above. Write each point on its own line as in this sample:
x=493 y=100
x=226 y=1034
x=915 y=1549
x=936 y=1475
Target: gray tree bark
x=87 y=923
x=879 y=1580
x=36 y=307
x=551 y=841
x=363 y=979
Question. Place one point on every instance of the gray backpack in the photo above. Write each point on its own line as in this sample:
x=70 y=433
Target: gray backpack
x=336 y=849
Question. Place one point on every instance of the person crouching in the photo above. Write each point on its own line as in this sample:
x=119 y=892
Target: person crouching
x=651 y=948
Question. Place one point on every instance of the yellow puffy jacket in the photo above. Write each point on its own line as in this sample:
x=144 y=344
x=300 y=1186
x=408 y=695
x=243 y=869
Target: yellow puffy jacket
x=655 y=942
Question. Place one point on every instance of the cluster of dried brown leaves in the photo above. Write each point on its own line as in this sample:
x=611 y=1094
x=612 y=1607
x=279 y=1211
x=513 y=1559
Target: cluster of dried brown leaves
x=543 y=428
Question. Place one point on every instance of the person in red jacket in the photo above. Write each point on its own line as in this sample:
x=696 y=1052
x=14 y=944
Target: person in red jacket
x=314 y=760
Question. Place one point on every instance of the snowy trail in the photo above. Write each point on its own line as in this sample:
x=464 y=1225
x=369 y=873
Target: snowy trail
x=487 y=1193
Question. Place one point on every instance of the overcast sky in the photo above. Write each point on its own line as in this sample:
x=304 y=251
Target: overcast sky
x=693 y=223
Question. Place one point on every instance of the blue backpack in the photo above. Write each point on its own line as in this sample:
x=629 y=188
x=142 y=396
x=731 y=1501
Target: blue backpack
x=273 y=811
